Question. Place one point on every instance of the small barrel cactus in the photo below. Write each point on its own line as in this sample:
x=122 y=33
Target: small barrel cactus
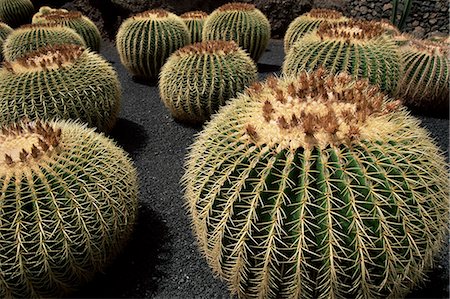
x=16 y=12
x=75 y=20
x=146 y=40
x=309 y=22
x=68 y=204
x=197 y=79
x=62 y=81
x=317 y=187
x=360 y=48
x=425 y=80
x=242 y=23
x=195 y=20
x=4 y=31
x=31 y=37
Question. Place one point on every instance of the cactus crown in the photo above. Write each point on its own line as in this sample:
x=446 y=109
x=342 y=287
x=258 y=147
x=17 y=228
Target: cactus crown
x=152 y=13
x=27 y=141
x=45 y=58
x=209 y=47
x=315 y=109
x=430 y=47
x=196 y=14
x=237 y=6
x=323 y=13
x=58 y=15
x=39 y=25
x=354 y=29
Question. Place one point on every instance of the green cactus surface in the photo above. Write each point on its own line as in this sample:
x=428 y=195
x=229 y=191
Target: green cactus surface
x=75 y=20
x=309 y=22
x=360 y=48
x=4 y=31
x=68 y=204
x=197 y=79
x=195 y=20
x=146 y=40
x=317 y=186
x=16 y=12
x=242 y=23
x=425 y=80
x=31 y=37
x=66 y=82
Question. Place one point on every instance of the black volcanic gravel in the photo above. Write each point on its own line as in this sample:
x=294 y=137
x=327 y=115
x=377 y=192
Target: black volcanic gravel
x=162 y=260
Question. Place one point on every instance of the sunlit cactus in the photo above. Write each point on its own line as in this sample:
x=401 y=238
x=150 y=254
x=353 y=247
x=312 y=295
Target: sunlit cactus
x=195 y=20
x=4 y=31
x=16 y=12
x=360 y=48
x=309 y=22
x=317 y=187
x=197 y=79
x=68 y=204
x=242 y=23
x=146 y=40
x=66 y=82
x=31 y=37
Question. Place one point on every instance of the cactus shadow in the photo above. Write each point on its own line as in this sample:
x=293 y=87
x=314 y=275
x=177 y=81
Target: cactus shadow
x=135 y=273
x=131 y=136
x=144 y=81
x=268 y=68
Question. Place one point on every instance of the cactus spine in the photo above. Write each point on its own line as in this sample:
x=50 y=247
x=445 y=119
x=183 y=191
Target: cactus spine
x=68 y=203
x=146 y=40
x=317 y=187
x=197 y=79
x=60 y=82
x=4 y=31
x=16 y=12
x=195 y=20
x=309 y=22
x=29 y=38
x=242 y=23
x=360 y=48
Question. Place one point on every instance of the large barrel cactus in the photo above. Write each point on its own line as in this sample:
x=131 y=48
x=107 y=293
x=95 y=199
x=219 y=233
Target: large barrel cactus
x=68 y=203
x=242 y=23
x=317 y=187
x=16 y=12
x=425 y=80
x=197 y=79
x=31 y=37
x=60 y=82
x=308 y=22
x=147 y=39
x=4 y=31
x=75 y=20
x=360 y=48
x=195 y=20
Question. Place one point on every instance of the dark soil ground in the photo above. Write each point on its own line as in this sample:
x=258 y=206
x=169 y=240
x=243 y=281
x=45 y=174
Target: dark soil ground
x=162 y=260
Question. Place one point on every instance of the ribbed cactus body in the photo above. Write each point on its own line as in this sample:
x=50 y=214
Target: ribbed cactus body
x=317 y=187
x=16 y=12
x=29 y=38
x=425 y=80
x=197 y=79
x=242 y=23
x=66 y=82
x=68 y=203
x=146 y=40
x=4 y=31
x=75 y=20
x=357 y=47
x=195 y=20
x=309 y=22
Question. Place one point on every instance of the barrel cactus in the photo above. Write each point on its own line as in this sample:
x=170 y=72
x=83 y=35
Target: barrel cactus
x=195 y=20
x=146 y=40
x=68 y=204
x=197 y=79
x=309 y=22
x=4 y=31
x=64 y=82
x=361 y=48
x=31 y=37
x=317 y=187
x=75 y=20
x=425 y=80
x=44 y=10
x=242 y=23
x=16 y=12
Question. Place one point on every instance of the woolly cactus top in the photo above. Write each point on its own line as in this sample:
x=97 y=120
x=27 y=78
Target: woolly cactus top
x=220 y=47
x=354 y=29
x=196 y=14
x=236 y=6
x=323 y=13
x=153 y=13
x=430 y=47
x=58 y=15
x=315 y=110
x=45 y=58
